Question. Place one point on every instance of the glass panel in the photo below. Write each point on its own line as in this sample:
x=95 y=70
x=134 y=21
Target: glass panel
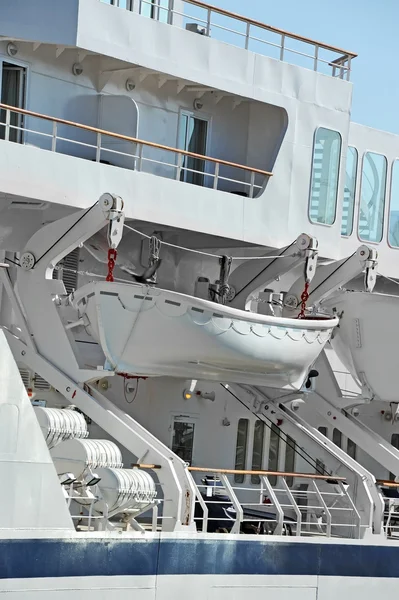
x=195 y=142
x=348 y=206
x=351 y=449
x=320 y=466
x=12 y=93
x=154 y=9
x=290 y=459
x=274 y=448
x=257 y=450
x=241 y=448
x=337 y=438
x=183 y=440
x=325 y=171
x=393 y=235
x=372 y=197
x=395 y=444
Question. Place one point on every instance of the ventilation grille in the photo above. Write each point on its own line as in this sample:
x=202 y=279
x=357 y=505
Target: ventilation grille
x=25 y=376
x=70 y=263
x=41 y=384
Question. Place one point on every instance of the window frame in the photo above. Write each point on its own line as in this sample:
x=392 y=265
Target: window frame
x=395 y=160
x=203 y=117
x=356 y=188
x=255 y=479
x=239 y=478
x=183 y=418
x=360 y=199
x=338 y=177
x=26 y=66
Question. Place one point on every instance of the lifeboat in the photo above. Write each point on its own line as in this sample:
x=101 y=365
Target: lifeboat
x=366 y=340
x=146 y=331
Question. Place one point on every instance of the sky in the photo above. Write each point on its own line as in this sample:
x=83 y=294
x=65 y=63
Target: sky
x=369 y=28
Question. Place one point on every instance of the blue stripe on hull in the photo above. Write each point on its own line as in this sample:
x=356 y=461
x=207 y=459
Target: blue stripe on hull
x=20 y=559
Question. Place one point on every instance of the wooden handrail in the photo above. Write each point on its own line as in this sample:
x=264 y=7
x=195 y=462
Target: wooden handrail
x=388 y=483
x=127 y=138
x=247 y=472
x=256 y=23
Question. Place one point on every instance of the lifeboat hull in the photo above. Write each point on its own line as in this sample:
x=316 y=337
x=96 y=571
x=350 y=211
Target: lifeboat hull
x=366 y=340
x=152 y=332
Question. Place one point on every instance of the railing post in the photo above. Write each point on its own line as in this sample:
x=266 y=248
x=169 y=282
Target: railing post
x=282 y=46
x=247 y=35
x=208 y=22
x=140 y=165
x=179 y=166
x=203 y=505
x=276 y=503
x=8 y=121
x=54 y=138
x=294 y=506
x=252 y=184
x=154 y=523
x=171 y=9
x=324 y=505
x=358 y=518
x=235 y=502
x=215 y=177
x=348 y=70
x=316 y=57
x=98 y=149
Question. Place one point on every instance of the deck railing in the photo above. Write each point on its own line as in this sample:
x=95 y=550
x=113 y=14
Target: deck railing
x=67 y=137
x=247 y=33
x=299 y=504
x=390 y=490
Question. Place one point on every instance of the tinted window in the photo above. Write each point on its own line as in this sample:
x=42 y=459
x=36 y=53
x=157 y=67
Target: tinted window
x=241 y=448
x=348 y=205
x=372 y=197
x=393 y=235
x=325 y=171
x=257 y=450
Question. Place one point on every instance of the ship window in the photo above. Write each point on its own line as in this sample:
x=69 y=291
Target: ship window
x=193 y=133
x=241 y=448
x=12 y=93
x=155 y=9
x=325 y=172
x=290 y=459
x=320 y=466
x=257 y=450
x=348 y=205
x=393 y=235
x=351 y=449
x=337 y=438
x=274 y=447
x=372 y=197
x=183 y=438
x=395 y=444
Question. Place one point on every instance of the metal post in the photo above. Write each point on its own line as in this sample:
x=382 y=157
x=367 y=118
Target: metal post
x=316 y=56
x=208 y=22
x=155 y=517
x=171 y=9
x=348 y=70
x=252 y=183
x=276 y=503
x=54 y=138
x=98 y=149
x=294 y=505
x=216 y=175
x=247 y=35
x=141 y=148
x=179 y=166
x=324 y=505
x=8 y=121
x=235 y=502
x=358 y=518
x=282 y=46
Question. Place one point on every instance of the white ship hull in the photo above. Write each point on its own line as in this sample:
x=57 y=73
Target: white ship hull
x=205 y=567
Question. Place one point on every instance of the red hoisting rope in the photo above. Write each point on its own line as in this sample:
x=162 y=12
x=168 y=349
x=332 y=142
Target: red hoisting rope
x=112 y=254
x=304 y=299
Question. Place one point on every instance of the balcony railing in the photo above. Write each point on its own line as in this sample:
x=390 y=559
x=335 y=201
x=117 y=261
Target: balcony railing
x=67 y=137
x=246 y=33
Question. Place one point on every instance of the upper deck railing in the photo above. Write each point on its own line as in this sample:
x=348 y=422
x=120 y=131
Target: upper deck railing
x=99 y=145
x=244 y=32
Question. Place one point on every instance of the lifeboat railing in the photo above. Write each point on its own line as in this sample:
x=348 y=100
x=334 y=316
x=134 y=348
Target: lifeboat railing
x=251 y=34
x=84 y=141
x=281 y=503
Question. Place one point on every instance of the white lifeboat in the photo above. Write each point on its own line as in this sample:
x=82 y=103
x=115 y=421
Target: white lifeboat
x=151 y=332
x=366 y=340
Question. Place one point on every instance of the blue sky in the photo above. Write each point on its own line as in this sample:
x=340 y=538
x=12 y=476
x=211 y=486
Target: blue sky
x=367 y=27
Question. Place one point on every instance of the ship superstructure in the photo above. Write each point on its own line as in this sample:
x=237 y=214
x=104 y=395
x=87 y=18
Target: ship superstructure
x=198 y=309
